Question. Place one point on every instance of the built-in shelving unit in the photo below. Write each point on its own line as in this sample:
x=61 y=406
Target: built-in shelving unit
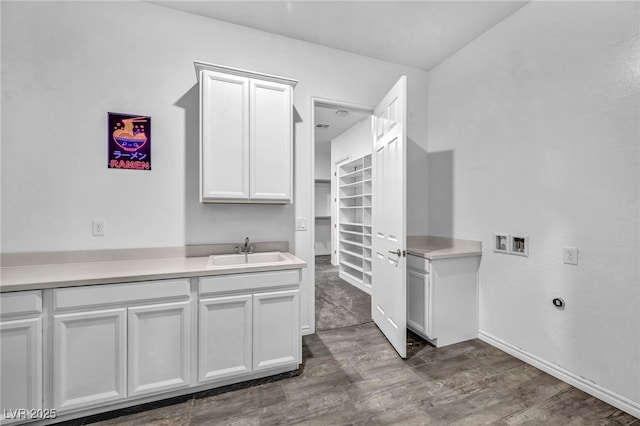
x=323 y=217
x=354 y=222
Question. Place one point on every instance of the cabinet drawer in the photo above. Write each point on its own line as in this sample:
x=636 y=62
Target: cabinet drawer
x=418 y=263
x=20 y=303
x=118 y=294
x=243 y=282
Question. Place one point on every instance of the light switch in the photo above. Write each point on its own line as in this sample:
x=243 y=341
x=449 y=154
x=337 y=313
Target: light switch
x=301 y=224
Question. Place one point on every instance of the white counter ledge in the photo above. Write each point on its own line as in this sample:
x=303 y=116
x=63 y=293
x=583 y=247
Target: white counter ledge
x=70 y=274
x=434 y=248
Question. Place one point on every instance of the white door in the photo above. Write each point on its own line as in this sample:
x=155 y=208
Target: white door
x=159 y=348
x=276 y=329
x=271 y=141
x=224 y=119
x=89 y=358
x=225 y=337
x=389 y=298
x=21 y=370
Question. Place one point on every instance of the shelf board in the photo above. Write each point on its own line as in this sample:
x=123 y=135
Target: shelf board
x=351 y=253
x=351 y=265
x=353 y=243
x=352 y=277
x=367 y=272
x=359 y=182
x=355 y=172
x=346 y=197
x=351 y=232
x=323 y=217
x=352 y=207
x=323 y=180
x=352 y=224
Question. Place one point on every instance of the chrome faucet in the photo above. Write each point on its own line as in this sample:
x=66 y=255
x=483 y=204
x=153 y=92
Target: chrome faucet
x=246 y=249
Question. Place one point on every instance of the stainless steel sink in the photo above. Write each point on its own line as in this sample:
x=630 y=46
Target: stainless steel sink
x=244 y=259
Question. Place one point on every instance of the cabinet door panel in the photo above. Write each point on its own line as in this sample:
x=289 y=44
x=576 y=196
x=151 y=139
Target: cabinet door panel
x=225 y=337
x=271 y=130
x=276 y=329
x=89 y=358
x=416 y=290
x=224 y=118
x=21 y=361
x=159 y=348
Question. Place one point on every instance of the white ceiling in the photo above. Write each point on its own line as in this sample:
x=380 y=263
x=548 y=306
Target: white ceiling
x=416 y=33
x=337 y=125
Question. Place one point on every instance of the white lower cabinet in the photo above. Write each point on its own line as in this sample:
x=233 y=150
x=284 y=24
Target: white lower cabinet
x=21 y=354
x=107 y=346
x=113 y=342
x=225 y=337
x=159 y=347
x=21 y=366
x=276 y=329
x=442 y=298
x=89 y=358
x=248 y=324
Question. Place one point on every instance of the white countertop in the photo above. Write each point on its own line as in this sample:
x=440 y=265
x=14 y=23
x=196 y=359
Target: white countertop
x=434 y=248
x=43 y=276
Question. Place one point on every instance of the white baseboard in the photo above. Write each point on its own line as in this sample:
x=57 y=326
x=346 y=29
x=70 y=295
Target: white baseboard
x=566 y=376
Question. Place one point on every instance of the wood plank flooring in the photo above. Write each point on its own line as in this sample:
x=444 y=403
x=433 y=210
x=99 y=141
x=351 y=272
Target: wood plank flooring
x=352 y=376
x=338 y=303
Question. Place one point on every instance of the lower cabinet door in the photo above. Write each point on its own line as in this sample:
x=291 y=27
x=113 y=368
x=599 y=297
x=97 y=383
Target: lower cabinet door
x=416 y=290
x=21 y=367
x=225 y=335
x=419 y=303
x=159 y=348
x=89 y=358
x=276 y=329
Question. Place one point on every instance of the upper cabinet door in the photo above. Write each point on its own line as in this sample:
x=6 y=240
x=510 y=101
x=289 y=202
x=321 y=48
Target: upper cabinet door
x=224 y=137
x=270 y=135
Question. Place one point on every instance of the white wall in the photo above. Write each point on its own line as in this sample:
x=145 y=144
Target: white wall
x=322 y=161
x=354 y=143
x=66 y=64
x=534 y=128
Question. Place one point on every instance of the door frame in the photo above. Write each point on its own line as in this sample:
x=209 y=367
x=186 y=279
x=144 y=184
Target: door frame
x=314 y=102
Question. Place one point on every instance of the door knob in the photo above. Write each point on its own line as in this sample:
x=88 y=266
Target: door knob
x=397 y=252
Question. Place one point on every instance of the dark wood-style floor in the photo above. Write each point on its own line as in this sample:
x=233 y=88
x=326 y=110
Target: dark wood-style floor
x=353 y=376
x=338 y=303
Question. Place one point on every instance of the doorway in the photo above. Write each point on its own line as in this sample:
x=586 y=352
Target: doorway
x=342 y=141
x=387 y=210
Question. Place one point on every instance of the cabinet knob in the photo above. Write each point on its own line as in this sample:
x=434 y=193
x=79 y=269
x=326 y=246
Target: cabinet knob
x=397 y=252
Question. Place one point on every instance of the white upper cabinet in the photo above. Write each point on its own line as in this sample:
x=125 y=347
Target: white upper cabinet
x=246 y=135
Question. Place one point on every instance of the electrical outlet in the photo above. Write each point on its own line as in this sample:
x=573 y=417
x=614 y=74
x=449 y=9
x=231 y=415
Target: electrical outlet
x=571 y=255
x=97 y=227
